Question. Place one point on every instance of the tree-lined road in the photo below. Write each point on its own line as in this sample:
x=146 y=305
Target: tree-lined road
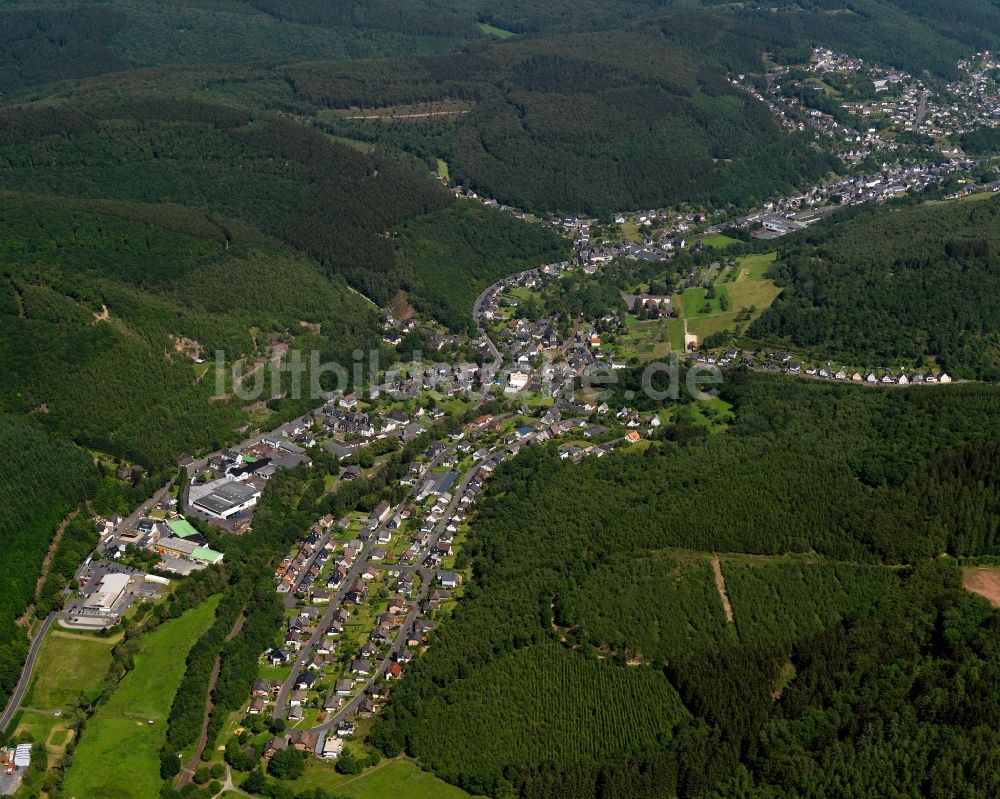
x=29 y=664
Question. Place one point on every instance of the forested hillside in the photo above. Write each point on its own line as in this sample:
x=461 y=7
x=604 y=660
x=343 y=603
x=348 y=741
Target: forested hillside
x=603 y=568
x=639 y=114
x=103 y=311
x=44 y=478
x=142 y=232
x=917 y=285
x=593 y=122
x=284 y=179
x=590 y=108
x=458 y=251
x=47 y=40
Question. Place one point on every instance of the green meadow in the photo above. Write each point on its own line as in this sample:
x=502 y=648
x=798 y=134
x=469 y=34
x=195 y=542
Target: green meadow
x=134 y=720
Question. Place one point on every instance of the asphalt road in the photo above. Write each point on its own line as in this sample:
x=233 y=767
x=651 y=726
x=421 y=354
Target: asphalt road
x=22 y=685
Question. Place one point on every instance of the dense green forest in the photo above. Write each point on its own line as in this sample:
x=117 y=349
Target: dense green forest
x=984 y=141
x=636 y=115
x=590 y=121
x=159 y=230
x=283 y=179
x=46 y=40
x=593 y=107
x=455 y=253
x=578 y=567
x=912 y=285
x=44 y=479
x=97 y=307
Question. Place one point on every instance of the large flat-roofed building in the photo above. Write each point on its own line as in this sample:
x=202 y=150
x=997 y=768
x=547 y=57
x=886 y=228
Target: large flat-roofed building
x=225 y=498
x=108 y=592
x=177 y=547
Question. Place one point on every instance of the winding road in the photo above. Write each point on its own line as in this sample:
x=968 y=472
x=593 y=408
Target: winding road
x=29 y=664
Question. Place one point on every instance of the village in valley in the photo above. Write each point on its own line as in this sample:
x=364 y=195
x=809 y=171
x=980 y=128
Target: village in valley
x=363 y=592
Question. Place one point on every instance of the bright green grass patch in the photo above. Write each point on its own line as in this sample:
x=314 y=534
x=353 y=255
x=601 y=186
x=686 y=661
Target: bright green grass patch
x=68 y=667
x=754 y=267
x=967 y=198
x=675 y=330
x=720 y=241
x=707 y=325
x=758 y=295
x=751 y=290
x=696 y=303
x=400 y=778
x=442 y=169
x=118 y=754
x=977 y=196
x=490 y=30
x=41 y=726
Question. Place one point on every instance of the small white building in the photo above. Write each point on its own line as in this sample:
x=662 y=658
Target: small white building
x=333 y=747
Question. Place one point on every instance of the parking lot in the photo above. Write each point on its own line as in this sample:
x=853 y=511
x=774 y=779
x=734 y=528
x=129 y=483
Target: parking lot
x=75 y=612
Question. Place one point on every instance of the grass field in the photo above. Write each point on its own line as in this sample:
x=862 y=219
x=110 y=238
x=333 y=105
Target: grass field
x=400 y=778
x=968 y=198
x=759 y=293
x=977 y=196
x=720 y=241
x=145 y=694
x=694 y=301
x=751 y=289
x=442 y=169
x=68 y=665
x=490 y=30
x=521 y=293
x=754 y=267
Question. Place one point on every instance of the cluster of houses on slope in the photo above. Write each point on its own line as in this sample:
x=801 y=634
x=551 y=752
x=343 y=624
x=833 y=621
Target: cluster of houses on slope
x=299 y=570
x=787 y=363
x=879 y=376
x=870 y=126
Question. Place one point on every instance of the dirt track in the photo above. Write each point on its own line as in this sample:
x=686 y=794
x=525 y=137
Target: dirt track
x=720 y=583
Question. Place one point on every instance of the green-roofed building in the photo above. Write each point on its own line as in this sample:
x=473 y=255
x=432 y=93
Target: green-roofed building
x=182 y=528
x=206 y=555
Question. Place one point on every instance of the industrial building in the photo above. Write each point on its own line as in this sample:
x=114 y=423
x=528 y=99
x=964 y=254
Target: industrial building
x=223 y=499
x=108 y=592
